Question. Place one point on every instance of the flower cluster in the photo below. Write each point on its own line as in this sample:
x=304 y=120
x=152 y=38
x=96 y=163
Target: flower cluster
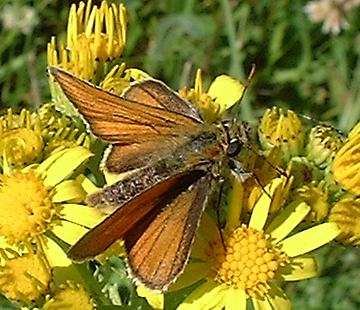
x=297 y=182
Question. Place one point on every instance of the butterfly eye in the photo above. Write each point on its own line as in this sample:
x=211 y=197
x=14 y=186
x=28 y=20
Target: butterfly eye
x=233 y=148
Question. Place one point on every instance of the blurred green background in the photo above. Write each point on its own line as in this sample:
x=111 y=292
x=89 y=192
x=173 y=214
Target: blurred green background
x=298 y=66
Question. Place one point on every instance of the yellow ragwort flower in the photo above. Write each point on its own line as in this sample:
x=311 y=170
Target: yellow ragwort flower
x=95 y=36
x=25 y=277
x=223 y=93
x=254 y=258
x=346 y=214
x=346 y=164
x=26 y=137
x=69 y=296
x=284 y=129
x=41 y=198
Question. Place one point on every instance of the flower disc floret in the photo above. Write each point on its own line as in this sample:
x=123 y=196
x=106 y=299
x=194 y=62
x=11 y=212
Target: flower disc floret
x=249 y=261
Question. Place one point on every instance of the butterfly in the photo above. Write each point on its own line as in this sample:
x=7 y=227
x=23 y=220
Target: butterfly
x=172 y=159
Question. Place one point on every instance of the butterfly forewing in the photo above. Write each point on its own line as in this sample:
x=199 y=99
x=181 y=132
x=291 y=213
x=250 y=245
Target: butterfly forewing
x=120 y=120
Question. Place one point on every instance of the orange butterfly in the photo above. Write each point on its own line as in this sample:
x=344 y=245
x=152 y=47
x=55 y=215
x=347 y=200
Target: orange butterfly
x=173 y=156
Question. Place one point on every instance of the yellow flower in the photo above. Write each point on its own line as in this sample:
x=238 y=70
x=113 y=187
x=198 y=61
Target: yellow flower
x=254 y=258
x=70 y=296
x=95 y=36
x=345 y=167
x=42 y=197
x=24 y=277
x=223 y=93
x=27 y=137
x=278 y=128
x=346 y=214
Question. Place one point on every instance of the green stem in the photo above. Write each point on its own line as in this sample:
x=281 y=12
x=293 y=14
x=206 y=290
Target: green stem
x=235 y=63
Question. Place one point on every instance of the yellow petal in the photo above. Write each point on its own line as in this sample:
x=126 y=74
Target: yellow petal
x=65 y=165
x=155 y=300
x=49 y=161
x=81 y=214
x=287 y=220
x=309 y=239
x=275 y=299
x=112 y=178
x=278 y=299
x=194 y=272
x=262 y=206
x=208 y=231
x=203 y=297
x=137 y=74
x=235 y=204
x=302 y=267
x=5 y=165
x=226 y=91
x=235 y=299
x=55 y=255
x=67 y=191
x=261 y=304
x=199 y=248
x=69 y=232
x=88 y=186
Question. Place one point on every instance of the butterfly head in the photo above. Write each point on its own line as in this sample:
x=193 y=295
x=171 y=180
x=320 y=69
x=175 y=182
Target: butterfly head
x=238 y=136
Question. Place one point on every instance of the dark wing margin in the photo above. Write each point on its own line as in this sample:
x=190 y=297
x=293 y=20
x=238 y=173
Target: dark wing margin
x=119 y=223
x=159 y=248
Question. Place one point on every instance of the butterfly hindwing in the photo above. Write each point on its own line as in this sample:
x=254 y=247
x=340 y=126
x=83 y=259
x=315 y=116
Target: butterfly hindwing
x=159 y=247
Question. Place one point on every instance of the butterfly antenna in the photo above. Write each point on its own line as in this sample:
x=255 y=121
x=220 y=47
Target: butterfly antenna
x=78 y=224
x=279 y=171
x=318 y=122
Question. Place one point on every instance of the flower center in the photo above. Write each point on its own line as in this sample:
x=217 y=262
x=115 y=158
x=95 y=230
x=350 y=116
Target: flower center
x=248 y=261
x=26 y=209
